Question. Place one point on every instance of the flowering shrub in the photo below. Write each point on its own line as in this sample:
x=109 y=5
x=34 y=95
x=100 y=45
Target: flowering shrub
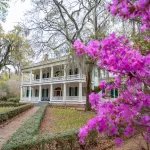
x=118 y=56
x=131 y=9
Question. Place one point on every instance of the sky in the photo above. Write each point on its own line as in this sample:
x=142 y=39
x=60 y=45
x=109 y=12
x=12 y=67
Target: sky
x=15 y=13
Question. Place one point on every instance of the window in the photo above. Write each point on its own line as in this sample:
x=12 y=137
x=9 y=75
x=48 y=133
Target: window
x=70 y=72
x=76 y=91
x=70 y=91
x=48 y=75
x=27 y=93
x=44 y=75
x=37 y=76
x=76 y=71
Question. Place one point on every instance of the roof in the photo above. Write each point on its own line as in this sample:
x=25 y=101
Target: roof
x=41 y=63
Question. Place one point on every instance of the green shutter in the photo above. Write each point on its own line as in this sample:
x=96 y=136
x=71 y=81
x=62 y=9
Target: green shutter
x=70 y=91
x=112 y=93
x=116 y=93
x=27 y=93
x=76 y=91
x=46 y=92
x=42 y=92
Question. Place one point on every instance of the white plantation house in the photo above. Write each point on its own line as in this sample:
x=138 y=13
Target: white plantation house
x=52 y=80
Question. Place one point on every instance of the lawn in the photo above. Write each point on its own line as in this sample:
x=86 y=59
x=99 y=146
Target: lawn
x=58 y=120
x=4 y=109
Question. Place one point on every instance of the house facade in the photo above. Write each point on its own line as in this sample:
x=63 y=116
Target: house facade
x=55 y=81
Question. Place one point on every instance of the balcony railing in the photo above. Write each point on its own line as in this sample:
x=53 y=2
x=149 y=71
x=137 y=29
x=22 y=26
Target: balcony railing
x=56 y=79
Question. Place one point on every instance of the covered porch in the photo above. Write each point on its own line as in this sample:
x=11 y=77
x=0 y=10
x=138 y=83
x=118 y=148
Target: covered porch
x=62 y=93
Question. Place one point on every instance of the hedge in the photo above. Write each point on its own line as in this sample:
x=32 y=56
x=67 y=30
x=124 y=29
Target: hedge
x=15 y=100
x=4 y=116
x=27 y=132
x=11 y=104
x=62 y=141
x=27 y=137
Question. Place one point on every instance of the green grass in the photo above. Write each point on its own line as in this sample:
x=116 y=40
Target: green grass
x=4 y=109
x=67 y=119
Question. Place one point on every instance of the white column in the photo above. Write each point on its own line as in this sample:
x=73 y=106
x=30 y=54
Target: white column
x=64 y=92
x=30 y=93
x=41 y=75
x=30 y=76
x=33 y=92
x=52 y=71
x=21 y=92
x=51 y=92
x=80 y=91
x=22 y=76
x=65 y=71
x=80 y=72
x=40 y=90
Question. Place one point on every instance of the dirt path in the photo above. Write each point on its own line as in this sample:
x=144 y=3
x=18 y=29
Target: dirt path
x=7 y=131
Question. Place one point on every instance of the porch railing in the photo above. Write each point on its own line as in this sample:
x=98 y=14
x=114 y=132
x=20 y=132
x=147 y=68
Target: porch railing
x=58 y=78
x=72 y=97
x=34 y=99
x=55 y=79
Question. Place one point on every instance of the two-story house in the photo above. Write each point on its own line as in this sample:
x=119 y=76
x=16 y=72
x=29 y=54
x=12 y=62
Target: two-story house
x=55 y=81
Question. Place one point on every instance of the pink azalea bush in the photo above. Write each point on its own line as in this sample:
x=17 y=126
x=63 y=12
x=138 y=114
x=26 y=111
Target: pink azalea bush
x=132 y=9
x=118 y=56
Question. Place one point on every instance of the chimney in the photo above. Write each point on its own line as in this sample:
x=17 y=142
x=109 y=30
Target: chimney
x=45 y=57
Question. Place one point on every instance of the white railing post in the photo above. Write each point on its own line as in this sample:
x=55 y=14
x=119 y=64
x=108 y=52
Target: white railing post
x=80 y=91
x=80 y=72
x=51 y=92
x=41 y=75
x=40 y=90
x=30 y=76
x=64 y=92
x=65 y=74
x=30 y=93
x=52 y=71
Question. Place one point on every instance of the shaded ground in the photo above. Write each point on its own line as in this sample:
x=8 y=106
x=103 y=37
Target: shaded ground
x=58 y=120
x=7 y=131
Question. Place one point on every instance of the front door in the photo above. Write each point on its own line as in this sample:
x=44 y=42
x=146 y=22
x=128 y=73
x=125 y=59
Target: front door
x=57 y=93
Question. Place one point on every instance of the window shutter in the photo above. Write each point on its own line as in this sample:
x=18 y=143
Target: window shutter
x=76 y=91
x=47 y=75
x=42 y=92
x=116 y=93
x=112 y=93
x=70 y=91
x=46 y=92
x=27 y=93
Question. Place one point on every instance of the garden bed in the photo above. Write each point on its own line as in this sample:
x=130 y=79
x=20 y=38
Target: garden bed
x=59 y=120
x=7 y=113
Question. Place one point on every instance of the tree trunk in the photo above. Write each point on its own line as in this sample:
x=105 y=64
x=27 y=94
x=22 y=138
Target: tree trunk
x=88 y=88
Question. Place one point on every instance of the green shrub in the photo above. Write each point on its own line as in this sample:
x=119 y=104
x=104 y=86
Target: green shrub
x=4 y=116
x=96 y=89
x=62 y=141
x=27 y=132
x=15 y=100
x=11 y=104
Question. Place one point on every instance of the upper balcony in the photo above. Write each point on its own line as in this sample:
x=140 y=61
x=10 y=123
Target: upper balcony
x=53 y=74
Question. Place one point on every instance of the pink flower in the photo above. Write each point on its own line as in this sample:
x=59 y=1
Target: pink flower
x=94 y=99
x=103 y=84
x=129 y=131
x=113 y=9
x=118 y=142
x=83 y=132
